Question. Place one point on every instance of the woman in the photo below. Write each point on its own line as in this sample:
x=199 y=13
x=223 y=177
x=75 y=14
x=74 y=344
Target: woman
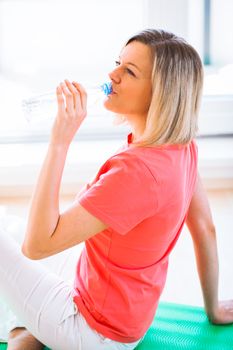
x=130 y=216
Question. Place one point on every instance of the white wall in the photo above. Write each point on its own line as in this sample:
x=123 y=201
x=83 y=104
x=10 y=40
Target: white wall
x=169 y=15
x=43 y=42
x=222 y=32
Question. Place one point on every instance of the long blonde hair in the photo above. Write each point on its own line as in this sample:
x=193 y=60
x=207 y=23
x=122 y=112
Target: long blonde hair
x=177 y=80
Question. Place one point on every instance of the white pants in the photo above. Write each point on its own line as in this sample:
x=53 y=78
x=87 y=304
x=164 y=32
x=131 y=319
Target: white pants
x=43 y=302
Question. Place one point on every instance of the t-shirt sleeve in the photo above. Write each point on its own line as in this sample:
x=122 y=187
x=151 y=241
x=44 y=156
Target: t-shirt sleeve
x=123 y=195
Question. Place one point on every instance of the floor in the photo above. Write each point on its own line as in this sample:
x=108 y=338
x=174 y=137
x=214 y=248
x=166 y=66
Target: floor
x=182 y=283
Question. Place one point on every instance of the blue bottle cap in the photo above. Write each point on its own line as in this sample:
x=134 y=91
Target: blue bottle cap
x=107 y=88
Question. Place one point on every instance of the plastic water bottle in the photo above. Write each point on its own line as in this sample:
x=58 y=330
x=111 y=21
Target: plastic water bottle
x=42 y=107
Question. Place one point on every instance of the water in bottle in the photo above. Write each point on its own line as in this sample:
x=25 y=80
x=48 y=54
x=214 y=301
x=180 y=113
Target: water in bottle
x=42 y=107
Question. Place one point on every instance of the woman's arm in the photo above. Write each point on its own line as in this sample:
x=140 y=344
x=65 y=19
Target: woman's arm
x=49 y=232
x=201 y=227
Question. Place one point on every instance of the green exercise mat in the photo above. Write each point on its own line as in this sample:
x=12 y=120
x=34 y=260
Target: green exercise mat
x=183 y=327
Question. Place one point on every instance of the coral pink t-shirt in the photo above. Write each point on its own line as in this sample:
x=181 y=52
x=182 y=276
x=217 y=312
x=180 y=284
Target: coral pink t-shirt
x=142 y=194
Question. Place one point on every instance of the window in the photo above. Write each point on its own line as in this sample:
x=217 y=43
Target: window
x=44 y=41
x=217 y=108
x=208 y=26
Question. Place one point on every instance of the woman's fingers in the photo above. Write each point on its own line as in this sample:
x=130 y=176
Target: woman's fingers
x=68 y=98
x=224 y=314
x=83 y=94
x=60 y=99
x=75 y=98
x=71 y=100
x=77 y=105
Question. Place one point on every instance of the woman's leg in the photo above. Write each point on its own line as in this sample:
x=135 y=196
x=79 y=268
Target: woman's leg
x=40 y=299
x=62 y=264
x=21 y=339
x=43 y=303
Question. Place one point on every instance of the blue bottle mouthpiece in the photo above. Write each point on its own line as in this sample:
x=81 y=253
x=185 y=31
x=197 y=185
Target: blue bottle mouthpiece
x=107 y=88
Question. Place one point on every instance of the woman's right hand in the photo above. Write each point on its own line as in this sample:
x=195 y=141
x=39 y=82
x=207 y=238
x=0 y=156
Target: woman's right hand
x=223 y=314
x=72 y=102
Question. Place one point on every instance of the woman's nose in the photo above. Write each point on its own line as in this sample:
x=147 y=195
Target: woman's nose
x=114 y=75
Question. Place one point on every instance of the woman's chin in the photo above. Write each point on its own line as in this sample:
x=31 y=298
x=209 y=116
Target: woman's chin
x=109 y=106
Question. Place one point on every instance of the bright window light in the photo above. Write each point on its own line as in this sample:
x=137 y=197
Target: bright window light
x=45 y=41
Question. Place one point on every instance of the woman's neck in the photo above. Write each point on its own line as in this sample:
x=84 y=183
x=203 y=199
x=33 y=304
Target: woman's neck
x=137 y=126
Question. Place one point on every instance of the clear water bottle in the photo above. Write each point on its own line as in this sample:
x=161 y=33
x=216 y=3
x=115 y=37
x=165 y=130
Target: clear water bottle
x=43 y=107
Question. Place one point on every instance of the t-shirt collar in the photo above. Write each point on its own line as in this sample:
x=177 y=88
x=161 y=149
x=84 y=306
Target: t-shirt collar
x=130 y=138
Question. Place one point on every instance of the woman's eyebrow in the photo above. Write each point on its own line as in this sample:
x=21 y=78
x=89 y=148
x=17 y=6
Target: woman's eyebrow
x=132 y=64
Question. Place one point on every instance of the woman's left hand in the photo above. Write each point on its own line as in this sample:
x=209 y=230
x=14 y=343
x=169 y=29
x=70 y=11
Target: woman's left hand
x=72 y=102
x=224 y=313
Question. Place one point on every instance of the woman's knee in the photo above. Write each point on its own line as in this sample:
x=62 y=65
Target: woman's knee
x=20 y=339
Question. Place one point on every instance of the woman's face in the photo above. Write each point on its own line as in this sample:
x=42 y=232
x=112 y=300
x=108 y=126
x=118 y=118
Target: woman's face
x=131 y=81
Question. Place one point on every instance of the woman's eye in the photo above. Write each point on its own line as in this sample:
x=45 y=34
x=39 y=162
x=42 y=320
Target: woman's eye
x=130 y=72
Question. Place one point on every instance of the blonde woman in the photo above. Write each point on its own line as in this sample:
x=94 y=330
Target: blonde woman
x=129 y=217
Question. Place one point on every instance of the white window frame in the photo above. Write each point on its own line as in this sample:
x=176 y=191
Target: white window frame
x=216 y=115
x=21 y=160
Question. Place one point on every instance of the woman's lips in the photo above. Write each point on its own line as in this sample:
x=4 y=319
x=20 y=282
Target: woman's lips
x=113 y=92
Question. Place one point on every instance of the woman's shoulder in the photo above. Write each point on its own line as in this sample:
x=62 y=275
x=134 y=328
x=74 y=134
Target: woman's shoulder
x=127 y=162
